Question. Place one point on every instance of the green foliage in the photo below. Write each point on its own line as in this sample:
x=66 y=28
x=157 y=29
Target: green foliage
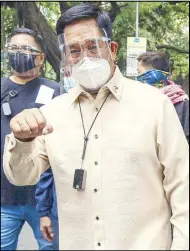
x=8 y=22
x=160 y=22
x=51 y=11
x=123 y=27
x=48 y=71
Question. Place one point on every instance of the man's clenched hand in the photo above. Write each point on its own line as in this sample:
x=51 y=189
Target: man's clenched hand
x=29 y=124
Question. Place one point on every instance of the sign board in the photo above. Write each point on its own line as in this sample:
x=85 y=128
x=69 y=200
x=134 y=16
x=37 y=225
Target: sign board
x=135 y=47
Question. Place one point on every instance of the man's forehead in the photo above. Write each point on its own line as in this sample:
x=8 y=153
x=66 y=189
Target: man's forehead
x=23 y=39
x=81 y=31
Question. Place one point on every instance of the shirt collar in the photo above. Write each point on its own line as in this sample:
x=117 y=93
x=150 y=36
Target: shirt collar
x=114 y=85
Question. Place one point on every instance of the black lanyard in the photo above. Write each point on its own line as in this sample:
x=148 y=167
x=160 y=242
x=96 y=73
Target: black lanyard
x=84 y=131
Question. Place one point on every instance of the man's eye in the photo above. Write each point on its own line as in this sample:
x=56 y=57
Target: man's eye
x=93 y=47
x=13 y=48
x=74 y=51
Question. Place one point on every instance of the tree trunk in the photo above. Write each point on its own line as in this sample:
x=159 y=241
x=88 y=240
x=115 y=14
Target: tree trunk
x=115 y=10
x=35 y=20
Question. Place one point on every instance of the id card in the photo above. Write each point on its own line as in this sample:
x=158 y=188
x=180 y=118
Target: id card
x=45 y=94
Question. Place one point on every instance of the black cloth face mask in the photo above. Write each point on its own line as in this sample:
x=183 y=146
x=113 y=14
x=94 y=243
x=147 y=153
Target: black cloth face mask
x=21 y=62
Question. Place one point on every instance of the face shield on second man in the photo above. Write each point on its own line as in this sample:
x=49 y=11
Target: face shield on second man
x=87 y=57
x=23 y=58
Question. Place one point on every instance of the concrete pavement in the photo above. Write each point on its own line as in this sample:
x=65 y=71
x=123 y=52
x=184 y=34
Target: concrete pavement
x=26 y=239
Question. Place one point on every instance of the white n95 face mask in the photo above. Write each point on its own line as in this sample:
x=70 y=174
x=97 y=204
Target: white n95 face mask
x=91 y=73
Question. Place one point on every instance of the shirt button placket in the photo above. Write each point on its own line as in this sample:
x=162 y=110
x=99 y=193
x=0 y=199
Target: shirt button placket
x=96 y=185
x=96 y=136
x=97 y=202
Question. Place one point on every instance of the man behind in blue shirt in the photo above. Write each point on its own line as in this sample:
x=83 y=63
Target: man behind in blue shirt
x=46 y=206
x=22 y=90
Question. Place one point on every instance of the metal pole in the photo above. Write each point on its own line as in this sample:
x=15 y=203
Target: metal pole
x=137 y=20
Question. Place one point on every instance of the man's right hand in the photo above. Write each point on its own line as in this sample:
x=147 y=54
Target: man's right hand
x=29 y=124
x=46 y=228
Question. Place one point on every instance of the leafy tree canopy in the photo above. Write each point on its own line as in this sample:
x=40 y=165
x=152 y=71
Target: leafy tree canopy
x=164 y=24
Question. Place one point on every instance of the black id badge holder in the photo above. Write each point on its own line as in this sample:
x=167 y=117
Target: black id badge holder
x=79 y=179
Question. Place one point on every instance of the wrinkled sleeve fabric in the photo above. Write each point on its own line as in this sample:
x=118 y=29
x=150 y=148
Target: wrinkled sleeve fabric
x=173 y=153
x=24 y=162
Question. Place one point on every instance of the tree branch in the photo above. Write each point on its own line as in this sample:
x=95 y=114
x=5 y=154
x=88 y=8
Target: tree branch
x=115 y=10
x=36 y=21
x=63 y=6
x=170 y=47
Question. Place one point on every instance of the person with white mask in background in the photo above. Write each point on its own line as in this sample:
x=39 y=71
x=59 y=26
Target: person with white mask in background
x=121 y=177
x=68 y=81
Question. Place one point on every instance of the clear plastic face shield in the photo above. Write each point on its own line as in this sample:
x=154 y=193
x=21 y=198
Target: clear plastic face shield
x=22 y=56
x=86 y=57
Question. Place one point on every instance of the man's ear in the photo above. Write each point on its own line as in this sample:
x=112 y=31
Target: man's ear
x=114 y=47
x=42 y=58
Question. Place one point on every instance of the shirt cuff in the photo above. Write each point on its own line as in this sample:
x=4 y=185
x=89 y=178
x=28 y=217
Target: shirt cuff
x=17 y=145
x=43 y=214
